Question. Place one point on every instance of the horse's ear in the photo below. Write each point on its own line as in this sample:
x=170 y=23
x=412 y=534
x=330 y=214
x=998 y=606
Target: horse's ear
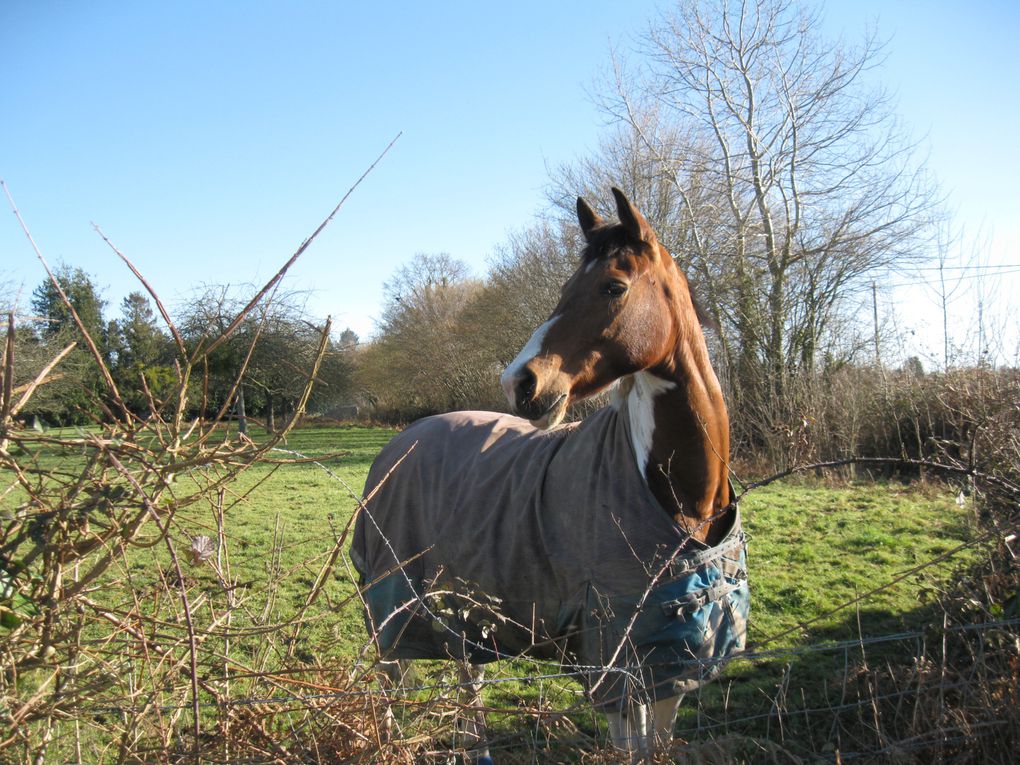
x=588 y=218
x=632 y=219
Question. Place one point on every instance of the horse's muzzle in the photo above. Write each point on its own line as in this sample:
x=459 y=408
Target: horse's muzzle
x=544 y=408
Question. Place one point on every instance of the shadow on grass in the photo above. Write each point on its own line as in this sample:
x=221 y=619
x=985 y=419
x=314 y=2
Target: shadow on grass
x=875 y=685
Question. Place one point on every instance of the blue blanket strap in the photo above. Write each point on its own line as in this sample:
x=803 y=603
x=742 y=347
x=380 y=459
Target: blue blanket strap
x=693 y=602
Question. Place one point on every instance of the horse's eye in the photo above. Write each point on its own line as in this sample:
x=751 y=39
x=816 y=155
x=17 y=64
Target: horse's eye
x=613 y=288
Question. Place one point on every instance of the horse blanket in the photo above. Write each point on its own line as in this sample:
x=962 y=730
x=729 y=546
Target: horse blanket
x=487 y=538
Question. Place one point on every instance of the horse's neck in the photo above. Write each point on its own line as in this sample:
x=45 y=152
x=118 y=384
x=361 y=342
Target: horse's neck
x=680 y=434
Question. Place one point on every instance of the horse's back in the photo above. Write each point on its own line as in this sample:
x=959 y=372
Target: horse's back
x=451 y=441
x=457 y=464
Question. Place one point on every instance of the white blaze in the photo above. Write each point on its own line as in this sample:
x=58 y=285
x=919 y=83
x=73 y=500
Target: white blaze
x=641 y=410
x=528 y=352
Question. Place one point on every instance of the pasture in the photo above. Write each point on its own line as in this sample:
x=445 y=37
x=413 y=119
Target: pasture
x=280 y=649
x=814 y=546
x=814 y=549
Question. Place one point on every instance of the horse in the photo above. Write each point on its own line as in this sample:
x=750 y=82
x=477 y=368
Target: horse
x=613 y=545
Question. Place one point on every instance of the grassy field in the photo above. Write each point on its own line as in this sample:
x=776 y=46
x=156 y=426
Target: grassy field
x=813 y=549
x=817 y=555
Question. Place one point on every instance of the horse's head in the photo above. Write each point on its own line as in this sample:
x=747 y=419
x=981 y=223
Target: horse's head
x=624 y=310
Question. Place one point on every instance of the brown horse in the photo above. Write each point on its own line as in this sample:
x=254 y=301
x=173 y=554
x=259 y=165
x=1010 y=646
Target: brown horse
x=613 y=545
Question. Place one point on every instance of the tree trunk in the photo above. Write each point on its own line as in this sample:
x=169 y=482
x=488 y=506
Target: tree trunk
x=242 y=419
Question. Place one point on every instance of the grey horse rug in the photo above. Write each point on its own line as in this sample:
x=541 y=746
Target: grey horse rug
x=487 y=538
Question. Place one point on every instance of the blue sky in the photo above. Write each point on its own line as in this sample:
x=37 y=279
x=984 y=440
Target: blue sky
x=208 y=139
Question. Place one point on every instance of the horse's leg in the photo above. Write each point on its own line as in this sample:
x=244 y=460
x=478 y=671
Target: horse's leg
x=395 y=673
x=472 y=723
x=628 y=729
x=663 y=719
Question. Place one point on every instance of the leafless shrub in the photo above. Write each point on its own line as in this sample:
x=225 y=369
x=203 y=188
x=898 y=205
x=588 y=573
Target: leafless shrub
x=101 y=661
x=954 y=699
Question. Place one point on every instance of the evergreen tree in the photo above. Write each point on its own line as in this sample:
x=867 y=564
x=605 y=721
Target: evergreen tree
x=78 y=387
x=140 y=349
x=54 y=316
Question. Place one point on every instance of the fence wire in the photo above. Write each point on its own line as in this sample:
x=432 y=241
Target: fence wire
x=554 y=713
x=303 y=700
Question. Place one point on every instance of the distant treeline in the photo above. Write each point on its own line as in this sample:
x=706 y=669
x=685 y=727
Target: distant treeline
x=273 y=346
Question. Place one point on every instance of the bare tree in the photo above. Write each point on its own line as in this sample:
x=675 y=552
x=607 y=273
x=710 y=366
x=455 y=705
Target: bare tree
x=793 y=181
x=416 y=365
x=255 y=369
x=522 y=287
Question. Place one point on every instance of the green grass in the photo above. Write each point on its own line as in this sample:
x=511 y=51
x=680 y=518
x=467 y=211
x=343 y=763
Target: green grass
x=813 y=549
x=282 y=520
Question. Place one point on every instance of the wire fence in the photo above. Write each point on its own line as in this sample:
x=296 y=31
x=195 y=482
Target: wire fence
x=875 y=712
x=946 y=691
x=889 y=686
x=845 y=647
